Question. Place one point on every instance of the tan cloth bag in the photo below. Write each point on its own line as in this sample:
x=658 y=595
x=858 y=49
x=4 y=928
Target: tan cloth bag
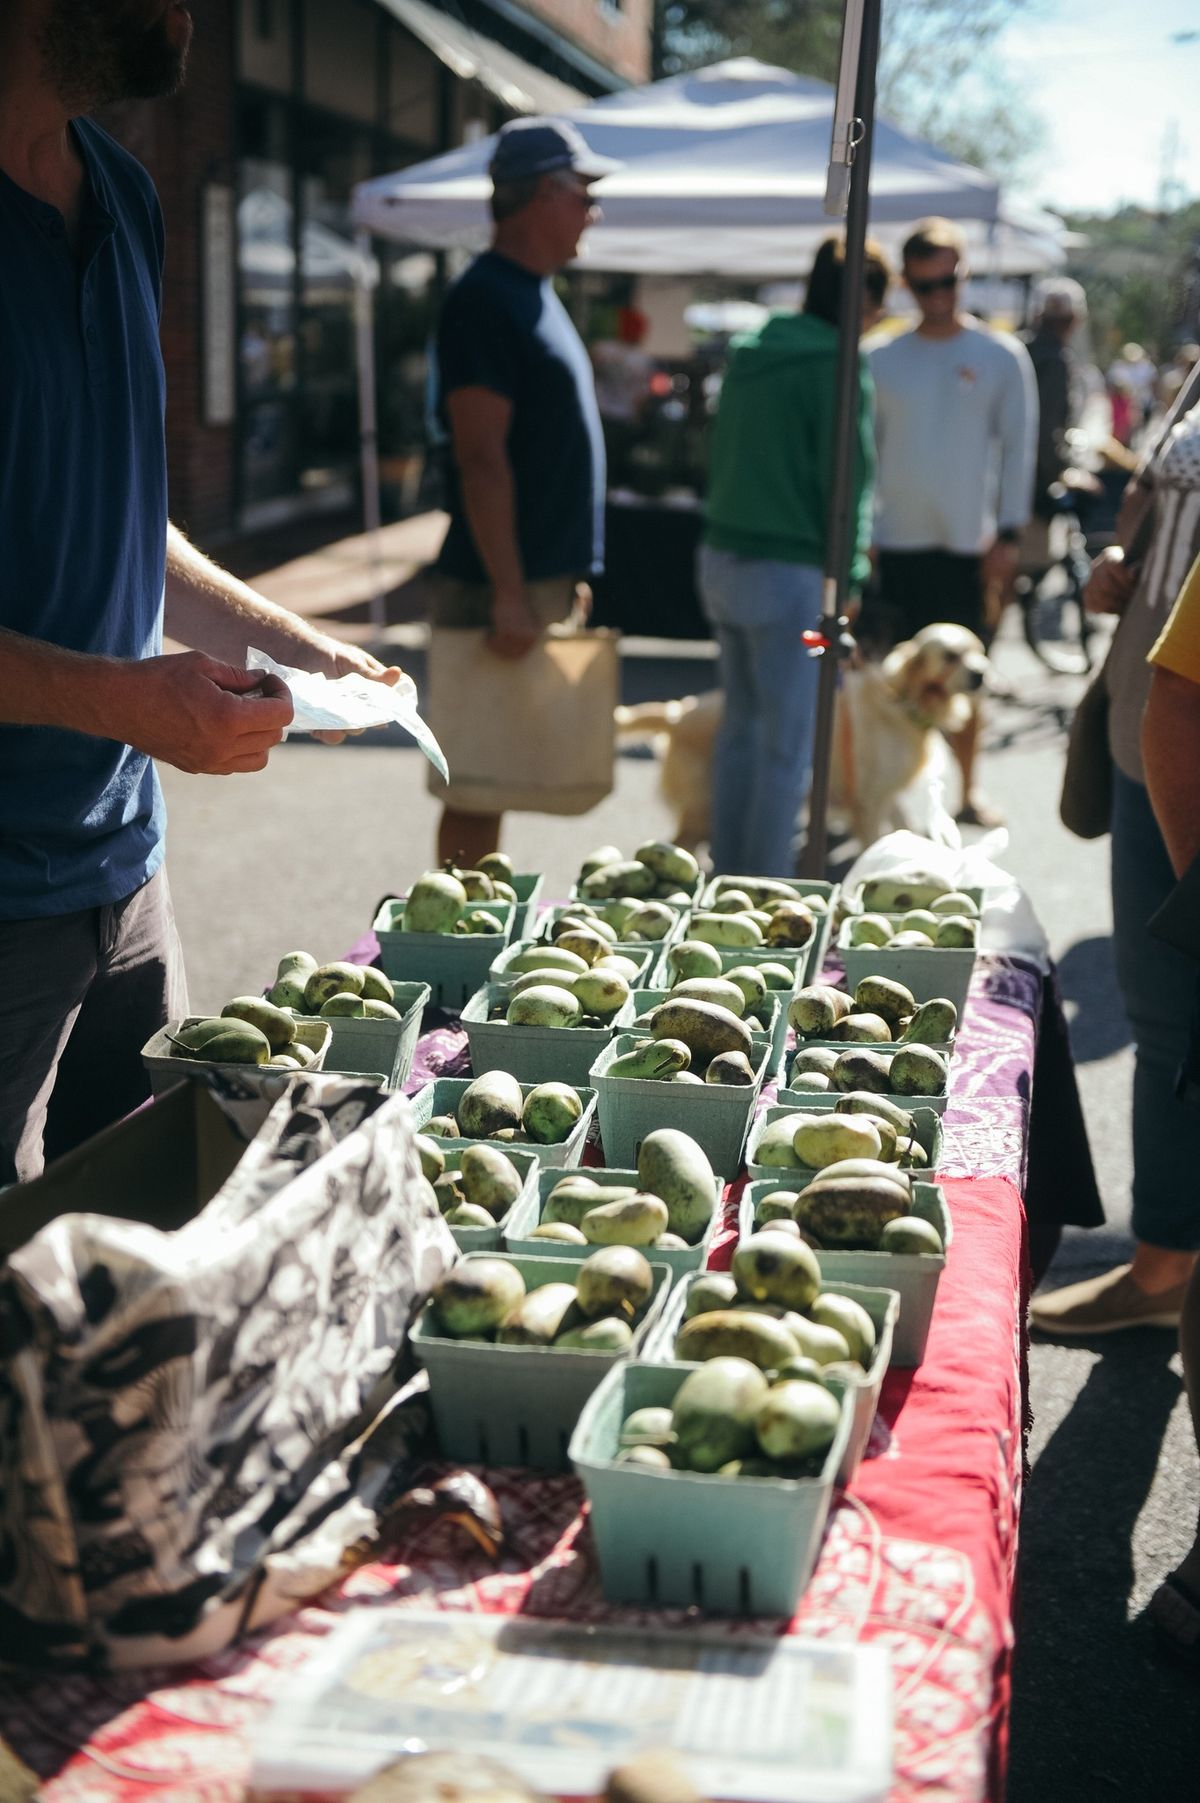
x=534 y=733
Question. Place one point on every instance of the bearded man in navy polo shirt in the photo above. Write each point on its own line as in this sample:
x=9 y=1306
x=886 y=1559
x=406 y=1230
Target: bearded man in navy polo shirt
x=89 y=958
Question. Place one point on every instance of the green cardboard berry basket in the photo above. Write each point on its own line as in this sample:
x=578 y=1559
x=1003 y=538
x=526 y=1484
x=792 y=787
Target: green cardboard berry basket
x=717 y=1115
x=687 y=1539
x=528 y=887
x=913 y=1276
x=441 y=1096
x=518 y=1405
x=775 y=1025
x=453 y=964
x=165 y=1066
x=489 y=1239
x=882 y=1304
x=367 y=1047
x=500 y=971
x=927 y=1121
x=533 y=1054
x=927 y=972
x=528 y=1213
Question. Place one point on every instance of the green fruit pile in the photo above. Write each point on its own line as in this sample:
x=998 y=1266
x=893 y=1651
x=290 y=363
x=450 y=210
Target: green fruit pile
x=691 y=959
x=695 y=1037
x=730 y=1419
x=484 y=1298
x=919 y=913
x=769 y=1309
x=656 y=869
x=332 y=991
x=473 y=1188
x=671 y=1206
x=558 y=999
x=493 y=1107
x=879 y=1011
x=444 y=901
x=624 y=921
x=854 y=1204
x=861 y=1125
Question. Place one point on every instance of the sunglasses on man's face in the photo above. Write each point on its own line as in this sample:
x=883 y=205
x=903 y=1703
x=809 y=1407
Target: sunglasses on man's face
x=934 y=284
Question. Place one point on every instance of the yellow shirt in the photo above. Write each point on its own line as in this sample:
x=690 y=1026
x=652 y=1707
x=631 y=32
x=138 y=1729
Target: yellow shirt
x=1178 y=645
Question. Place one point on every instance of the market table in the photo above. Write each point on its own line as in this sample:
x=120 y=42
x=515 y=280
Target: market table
x=920 y=1551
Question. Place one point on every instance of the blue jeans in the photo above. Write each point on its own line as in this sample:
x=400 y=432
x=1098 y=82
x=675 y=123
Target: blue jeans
x=763 y=761
x=1158 y=985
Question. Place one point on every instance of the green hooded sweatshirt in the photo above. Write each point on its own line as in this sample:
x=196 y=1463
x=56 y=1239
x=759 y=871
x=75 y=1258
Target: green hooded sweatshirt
x=772 y=446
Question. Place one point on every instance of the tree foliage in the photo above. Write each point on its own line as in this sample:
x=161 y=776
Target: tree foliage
x=934 y=72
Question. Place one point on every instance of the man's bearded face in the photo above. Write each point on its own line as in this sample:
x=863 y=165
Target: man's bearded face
x=97 y=51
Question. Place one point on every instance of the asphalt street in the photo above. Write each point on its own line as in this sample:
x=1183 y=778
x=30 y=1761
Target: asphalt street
x=299 y=856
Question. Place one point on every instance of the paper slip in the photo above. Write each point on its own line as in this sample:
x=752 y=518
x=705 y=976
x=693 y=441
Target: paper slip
x=350 y=703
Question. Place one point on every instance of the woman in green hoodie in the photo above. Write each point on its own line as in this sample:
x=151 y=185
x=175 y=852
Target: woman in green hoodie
x=763 y=553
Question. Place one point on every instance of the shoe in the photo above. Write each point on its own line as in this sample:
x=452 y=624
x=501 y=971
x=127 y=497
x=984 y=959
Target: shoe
x=979 y=813
x=1174 y=1610
x=1105 y=1304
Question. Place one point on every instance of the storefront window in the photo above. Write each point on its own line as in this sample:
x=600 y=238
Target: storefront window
x=267 y=309
x=333 y=159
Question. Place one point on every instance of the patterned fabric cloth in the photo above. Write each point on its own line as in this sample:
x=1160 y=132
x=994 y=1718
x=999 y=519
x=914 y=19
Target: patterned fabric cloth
x=178 y=1407
x=920 y=1551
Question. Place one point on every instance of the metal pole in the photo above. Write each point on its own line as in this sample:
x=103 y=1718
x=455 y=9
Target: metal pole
x=840 y=533
x=368 y=428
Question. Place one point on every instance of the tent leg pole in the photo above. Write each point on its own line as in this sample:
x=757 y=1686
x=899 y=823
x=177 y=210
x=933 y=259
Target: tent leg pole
x=368 y=426
x=842 y=528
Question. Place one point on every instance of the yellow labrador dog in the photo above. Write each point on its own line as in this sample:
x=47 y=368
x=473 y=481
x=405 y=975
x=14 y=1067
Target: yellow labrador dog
x=887 y=730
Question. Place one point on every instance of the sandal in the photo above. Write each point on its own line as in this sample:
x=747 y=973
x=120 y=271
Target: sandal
x=1174 y=1610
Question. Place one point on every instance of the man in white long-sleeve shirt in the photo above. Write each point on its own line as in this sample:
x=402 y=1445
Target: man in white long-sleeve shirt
x=956 y=428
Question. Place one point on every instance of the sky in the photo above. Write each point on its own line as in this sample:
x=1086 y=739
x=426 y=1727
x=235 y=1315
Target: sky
x=1107 y=80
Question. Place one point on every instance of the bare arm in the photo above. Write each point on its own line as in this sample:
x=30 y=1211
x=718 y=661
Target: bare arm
x=191 y=711
x=1171 y=755
x=479 y=424
x=207 y=606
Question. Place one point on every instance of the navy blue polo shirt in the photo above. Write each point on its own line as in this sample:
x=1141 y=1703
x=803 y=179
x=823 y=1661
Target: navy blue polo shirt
x=505 y=329
x=83 y=519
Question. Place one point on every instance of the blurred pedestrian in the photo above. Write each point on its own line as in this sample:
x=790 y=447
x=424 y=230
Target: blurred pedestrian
x=1134 y=371
x=623 y=372
x=1139 y=579
x=91 y=571
x=763 y=554
x=1171 y=748
x=956 y=431
x=517 y=395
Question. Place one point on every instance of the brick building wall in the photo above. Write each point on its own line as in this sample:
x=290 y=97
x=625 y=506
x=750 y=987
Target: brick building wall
x=184 y=142
x=618 y=36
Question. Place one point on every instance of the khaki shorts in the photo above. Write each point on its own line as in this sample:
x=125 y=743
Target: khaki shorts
x=463 y=605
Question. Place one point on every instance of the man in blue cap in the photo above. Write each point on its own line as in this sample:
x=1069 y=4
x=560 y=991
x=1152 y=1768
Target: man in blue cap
x=517 y=396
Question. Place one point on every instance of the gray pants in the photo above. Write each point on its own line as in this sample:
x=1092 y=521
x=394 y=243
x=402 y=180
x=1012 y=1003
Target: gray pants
x=80 y=994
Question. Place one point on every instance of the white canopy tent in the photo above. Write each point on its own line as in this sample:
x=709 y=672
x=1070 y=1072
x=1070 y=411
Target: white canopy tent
x=723 y=174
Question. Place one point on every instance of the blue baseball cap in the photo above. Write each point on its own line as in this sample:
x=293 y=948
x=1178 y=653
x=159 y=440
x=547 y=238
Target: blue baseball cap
x=526 y=148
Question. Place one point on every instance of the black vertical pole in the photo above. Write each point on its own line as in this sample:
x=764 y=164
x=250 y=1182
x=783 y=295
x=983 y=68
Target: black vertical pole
x=840 y=532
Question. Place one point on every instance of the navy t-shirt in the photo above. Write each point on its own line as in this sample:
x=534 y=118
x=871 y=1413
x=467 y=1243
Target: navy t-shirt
x=505 y=329
x=83 y=519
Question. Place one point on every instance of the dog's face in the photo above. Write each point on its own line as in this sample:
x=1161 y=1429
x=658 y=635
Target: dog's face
x=936 y=674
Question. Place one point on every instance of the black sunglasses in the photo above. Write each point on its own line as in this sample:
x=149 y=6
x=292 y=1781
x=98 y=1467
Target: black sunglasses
x=933 y=283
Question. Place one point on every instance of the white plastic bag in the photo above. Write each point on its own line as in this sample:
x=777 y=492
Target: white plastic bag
x=1009 y=926
x=350 y=704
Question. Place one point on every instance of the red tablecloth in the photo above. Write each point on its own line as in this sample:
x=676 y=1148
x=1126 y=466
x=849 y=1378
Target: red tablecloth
x=920 y=1552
